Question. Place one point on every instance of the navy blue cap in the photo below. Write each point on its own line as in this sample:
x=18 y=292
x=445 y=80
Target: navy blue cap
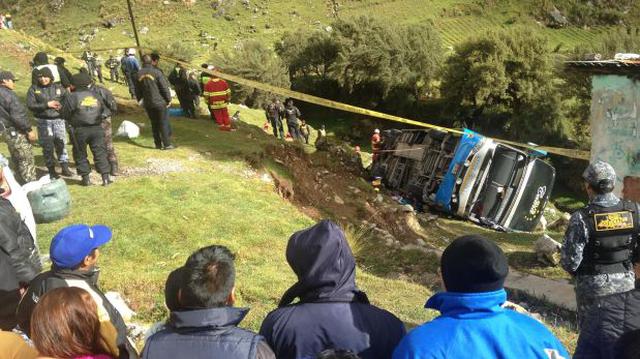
x=73 y=243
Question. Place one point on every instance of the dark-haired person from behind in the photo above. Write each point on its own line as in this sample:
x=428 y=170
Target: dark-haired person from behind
x=600 y=241
x=472 y=321
x=203 y=322
x=331 y=311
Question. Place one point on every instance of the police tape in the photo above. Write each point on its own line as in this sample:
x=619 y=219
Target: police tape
x=566 y=152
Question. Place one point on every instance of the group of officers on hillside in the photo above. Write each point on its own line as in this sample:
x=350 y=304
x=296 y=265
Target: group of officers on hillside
x=73 y=106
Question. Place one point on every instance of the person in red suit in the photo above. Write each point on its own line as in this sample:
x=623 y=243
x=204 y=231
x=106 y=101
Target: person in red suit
x=218 y=94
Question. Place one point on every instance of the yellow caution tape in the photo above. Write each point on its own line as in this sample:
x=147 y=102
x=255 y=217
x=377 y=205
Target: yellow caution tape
x=566 y=152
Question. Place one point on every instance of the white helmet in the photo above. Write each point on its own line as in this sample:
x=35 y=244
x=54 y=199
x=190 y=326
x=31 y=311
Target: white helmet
x=376 y=131
x=131 y=51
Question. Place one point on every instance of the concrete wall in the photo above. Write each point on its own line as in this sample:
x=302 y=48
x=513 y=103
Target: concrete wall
x=615 y=129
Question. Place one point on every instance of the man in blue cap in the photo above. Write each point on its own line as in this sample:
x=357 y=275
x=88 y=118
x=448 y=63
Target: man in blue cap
x=74 y=252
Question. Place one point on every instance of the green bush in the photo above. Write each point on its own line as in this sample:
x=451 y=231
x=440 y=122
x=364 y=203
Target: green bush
x=254 y=61
x=365 y=62
x=504 y=82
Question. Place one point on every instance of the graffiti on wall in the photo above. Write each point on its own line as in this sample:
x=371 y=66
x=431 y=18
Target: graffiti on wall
x=615 y=124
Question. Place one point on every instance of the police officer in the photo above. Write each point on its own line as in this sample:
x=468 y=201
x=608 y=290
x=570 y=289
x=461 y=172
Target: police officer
x=112 y=64
x=43 y=100
x=600 y=241
x=110 y=107
x=16 y=128
x=152 y=88
x=83 y=111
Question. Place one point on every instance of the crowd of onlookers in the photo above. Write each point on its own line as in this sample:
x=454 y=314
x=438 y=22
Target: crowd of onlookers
x=62 y=313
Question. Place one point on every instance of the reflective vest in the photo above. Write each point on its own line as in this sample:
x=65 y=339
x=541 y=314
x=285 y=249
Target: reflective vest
x=613 y=233
x=217 y=93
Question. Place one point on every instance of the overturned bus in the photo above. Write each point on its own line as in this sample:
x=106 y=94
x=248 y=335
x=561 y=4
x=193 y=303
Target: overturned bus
x=468 y=175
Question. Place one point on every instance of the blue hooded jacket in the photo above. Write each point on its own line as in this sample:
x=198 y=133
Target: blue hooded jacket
x=331 y=313
x=474 y=325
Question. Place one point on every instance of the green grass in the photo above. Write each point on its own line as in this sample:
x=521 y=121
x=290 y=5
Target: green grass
x=218 y=198
x=267 y=20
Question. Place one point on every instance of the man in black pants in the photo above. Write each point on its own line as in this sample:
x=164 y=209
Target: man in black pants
x=83 y=111
x=153 y=89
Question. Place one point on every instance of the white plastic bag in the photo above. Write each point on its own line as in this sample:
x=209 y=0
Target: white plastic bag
x=18 y=198
x=128 y=129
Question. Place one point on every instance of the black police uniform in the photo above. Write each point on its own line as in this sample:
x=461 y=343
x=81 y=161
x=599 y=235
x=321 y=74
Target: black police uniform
x=613 y=233
x=83 y=111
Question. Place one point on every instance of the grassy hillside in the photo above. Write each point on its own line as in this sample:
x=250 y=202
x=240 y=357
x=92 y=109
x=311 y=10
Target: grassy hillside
x=216 y=188
x=228 y=21
x=170 y=203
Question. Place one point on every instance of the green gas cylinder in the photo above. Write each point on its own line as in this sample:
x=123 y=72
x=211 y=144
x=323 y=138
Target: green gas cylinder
x=51 y=202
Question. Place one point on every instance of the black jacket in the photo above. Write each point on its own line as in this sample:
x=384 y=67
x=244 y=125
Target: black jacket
x=19 y=261
x=17 y=242
x=38 y=97
x=613 y=316
x=65 y=76
x=12 y=113
x=152 y=87
x=82 y=108
x=57 y=278
x=332 y=312
x=110 y=106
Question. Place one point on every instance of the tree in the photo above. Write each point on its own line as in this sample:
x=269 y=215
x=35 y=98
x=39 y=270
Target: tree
x=505 y=80
x=365 y=61
x=254 y=61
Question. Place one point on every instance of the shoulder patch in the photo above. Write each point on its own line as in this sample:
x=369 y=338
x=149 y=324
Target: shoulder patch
x=613 y=221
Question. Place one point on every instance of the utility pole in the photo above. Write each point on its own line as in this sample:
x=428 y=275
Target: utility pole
x=135 y=29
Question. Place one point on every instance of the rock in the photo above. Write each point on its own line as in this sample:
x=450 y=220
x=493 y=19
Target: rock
x=338 y=200
x=246 y=3
x=560 y=224
x=407 y=208
x=165 y=2
x=144 y=30
x=542 y=225
x=328 y=29
x=228 y=17
x=556 y=19
x=547 y=250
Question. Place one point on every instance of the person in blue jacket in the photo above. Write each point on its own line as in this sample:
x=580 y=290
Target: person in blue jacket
x=473 y=323
x=332 y=313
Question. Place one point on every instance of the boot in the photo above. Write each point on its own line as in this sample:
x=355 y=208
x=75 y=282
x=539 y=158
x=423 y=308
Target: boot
x=65 y=169
x=114 y=169
x=52 y=173
x=105 y=179
x=86 y=181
